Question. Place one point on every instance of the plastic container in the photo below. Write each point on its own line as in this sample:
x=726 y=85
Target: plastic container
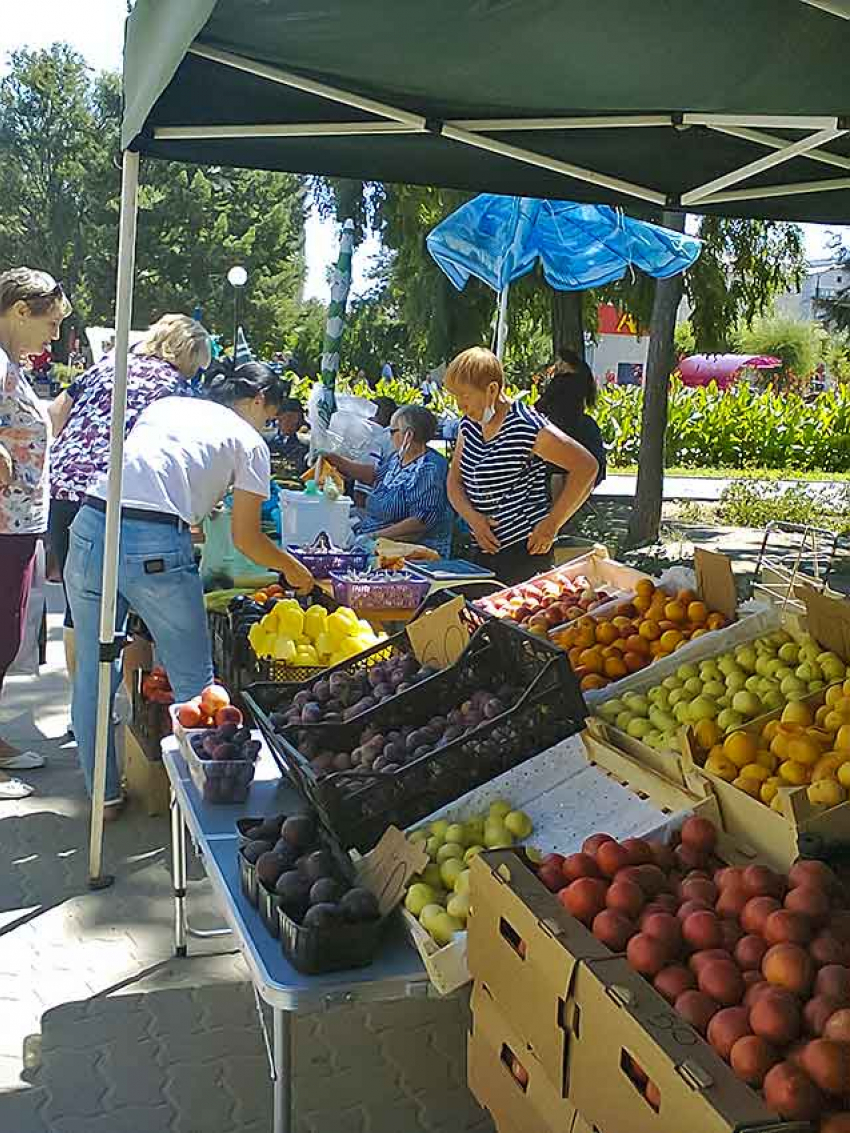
x=399 y=590
x=356 y=806
x=322 y=564
x=248 y=878
x=268 y=904
x=304 y=516
x=313 y=952
x=218 y=781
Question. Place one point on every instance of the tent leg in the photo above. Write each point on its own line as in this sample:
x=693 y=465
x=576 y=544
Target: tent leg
x=502 y=324
x=123 y=319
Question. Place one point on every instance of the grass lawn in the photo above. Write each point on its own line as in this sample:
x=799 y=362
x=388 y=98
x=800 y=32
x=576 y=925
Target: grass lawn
x=739 y=473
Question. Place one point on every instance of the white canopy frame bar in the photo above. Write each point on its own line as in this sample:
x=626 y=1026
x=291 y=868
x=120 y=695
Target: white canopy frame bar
x=284 y=130
x=832 y=7
x=112 y=533
x=765 y=121
x=768 y=161
x=825 y=186
x=602 y=122
x=773 y=142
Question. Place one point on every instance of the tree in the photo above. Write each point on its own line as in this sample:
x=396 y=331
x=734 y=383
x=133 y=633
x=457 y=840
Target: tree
x=59 y=201
x=798 y=343
x=836 y=310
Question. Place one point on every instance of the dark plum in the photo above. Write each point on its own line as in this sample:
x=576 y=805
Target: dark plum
x=269 y=868
x=252 y=850
x=322 y=917
x=294 y=892
x=311 y=713
x=317 y=864
x=299 y=831
x=359 y=905
x=325 y=891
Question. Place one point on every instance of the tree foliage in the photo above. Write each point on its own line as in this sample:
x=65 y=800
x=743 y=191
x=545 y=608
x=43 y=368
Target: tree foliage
x=60 y=187
x=798 y=343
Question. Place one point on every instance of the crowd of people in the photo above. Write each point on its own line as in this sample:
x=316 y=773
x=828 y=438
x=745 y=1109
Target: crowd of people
x=516 y=475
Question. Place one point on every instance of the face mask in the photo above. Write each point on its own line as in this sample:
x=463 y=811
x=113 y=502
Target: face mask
x=488 y=413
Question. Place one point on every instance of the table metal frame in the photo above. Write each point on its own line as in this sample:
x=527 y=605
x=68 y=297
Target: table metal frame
x=284 y=990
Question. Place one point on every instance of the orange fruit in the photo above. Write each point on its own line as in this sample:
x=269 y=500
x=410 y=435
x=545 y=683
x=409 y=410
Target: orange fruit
x=666 y=624
x=701 y=632
x=645 y=588
x=650 y=630
x=697 y=612
x=621 y=622
x=260 y=596
x=574 y=656
x=642 y=603
x=585 y=637
x=687 y=596
x=592 y=681
x=670 y=640
x=675 y=612
x=615 y=667
x=634 y=662
x=606 y=633
x=592 y=660
x=636 y=644
x=715 y=621
x=626 y=610
x=619 y=645
x=741 y=747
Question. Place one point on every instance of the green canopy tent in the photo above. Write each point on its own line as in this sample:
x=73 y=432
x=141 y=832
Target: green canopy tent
x=738 y=106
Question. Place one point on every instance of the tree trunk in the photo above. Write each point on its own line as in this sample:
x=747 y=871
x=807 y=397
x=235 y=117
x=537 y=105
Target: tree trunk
x=567 y=323
x=646 y=514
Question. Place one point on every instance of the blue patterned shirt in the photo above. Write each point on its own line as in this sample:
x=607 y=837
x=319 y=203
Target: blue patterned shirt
x=412 y=491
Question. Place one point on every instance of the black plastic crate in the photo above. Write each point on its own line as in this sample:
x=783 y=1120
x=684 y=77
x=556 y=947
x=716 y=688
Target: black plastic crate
x=356 y=806
x=276 y=697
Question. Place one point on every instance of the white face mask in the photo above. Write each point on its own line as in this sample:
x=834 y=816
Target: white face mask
x=488 y=413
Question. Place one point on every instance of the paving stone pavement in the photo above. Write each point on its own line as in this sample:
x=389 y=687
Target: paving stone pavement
x=104 y=1031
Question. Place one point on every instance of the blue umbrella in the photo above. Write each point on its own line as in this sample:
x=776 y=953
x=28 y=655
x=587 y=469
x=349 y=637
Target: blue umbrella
x=499 y=239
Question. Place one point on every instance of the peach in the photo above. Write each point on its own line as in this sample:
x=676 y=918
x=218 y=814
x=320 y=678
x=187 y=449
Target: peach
x=813 y=874
x=817 y=1013
x=755 y=989
x=666 y=928
x=579 y=865
x=698 y=889
x=730 y=904
x=613 y=929
x=751 y=1058
x=697 y=1009
x=214 y=697
x=689 y=907
x=837 y=1026
x=611 y=857
x=790 y=1093
x=190 y=714
x=647 y=954
x=759 y=881
x=828 y=949
x=828 y=1065
x=788 y=966
x=672 y=982
x=701 y=930
x=700 y=834
x=783 y=927
x=592 y=844
x=639 y=850
x=749 y=953
x=755 y=913
x=584 y=898
x=726 y=1027
x=721 y=981
x=808 y=902
x=833 y=981
x=775 y=1016
x=625 y=897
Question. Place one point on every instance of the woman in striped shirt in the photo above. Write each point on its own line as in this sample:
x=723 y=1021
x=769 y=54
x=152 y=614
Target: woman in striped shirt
x=498 y=479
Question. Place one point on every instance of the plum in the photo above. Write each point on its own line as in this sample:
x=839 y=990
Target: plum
x=382 y=691
x=294 y=892
x=359 y=905
x=225 y=752
x=317 y=864
x=227 y=731
x=299 y=831
x=241 y=736
x=311 y=713
x=208 y=744
x=251 y=750
x=302 y=698
x=325 y=891
x=251 y=851
x=322 y=917
x=342 y=761
x=321 y=691
x=269 y=868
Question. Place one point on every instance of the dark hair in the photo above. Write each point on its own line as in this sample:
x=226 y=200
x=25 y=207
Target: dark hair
x=227 y=385
x=569 y=391
x=386 y=407
x=421 y=422
x=290 y=405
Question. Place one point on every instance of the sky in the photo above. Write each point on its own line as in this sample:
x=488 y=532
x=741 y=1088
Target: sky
x=95 y=28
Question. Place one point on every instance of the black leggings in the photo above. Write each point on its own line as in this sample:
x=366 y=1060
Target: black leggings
x=515 y=564
x=62 y=514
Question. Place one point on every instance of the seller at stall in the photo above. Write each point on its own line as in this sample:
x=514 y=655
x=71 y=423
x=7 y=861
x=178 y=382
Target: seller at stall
x=177 y=466
x=286 y=444
x=408 y=501
x=498 y=480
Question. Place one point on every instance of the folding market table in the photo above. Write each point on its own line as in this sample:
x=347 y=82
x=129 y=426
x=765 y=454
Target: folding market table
x=396 y=973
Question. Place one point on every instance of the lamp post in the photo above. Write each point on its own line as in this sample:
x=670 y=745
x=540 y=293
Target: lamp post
x=237 y=277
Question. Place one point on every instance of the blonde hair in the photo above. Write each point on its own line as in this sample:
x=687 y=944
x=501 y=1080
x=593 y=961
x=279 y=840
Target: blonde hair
x=179 y=340
x=37 y=289
x=477 y=367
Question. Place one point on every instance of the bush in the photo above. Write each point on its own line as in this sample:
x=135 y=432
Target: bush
x=755 y=503
x=739 y=428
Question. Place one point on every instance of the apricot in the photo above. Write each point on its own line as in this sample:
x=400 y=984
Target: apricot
x=755 y=913
x=726 y=1027
x=701 y=930
x=812 y=873
x=749 y=953
x=699 y=833
x=809 y=902
x=698 y=889
x=592 y=844
x=790 y=1093
x=579 y=865
x=647 y=954
x=730 y=904
x=759 y=881
x=699 y=959
x=788 y=966
x=689 y=907
x=776 y=1017
x=697 y=1009
x=584 y=898
x=833 y=981
x=611 y=857
x=783 y=927
x=722 y=981
x=817 y=1013
x=613 y=929
x=827 y=949
x=837 y=1026
x=751 y=1058
x=625 y=897
x=756 y=990
x=673 y=981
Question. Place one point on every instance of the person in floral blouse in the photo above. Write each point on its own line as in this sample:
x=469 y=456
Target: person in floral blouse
x=162 y=364
x=32 y=307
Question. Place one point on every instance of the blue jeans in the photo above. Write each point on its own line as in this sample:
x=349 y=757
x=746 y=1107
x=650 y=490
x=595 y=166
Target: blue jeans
x=170 y=601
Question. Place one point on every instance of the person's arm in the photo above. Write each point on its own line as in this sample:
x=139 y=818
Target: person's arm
x=59 y=411
x=249 y=540
x=558 y=449
x=427 y=503
x=364 y=471
x=6 y=470
x=405 y=530
x=481 y=525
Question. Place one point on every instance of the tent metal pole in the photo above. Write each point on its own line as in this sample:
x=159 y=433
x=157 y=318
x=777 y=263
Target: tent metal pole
x=542 y=161
x=603 y=122
x=828 y=185
x=309 y=86
x=108 y=601
x=502 y=323
x=764 y=121
x=772 y=142
x=768 y=161
x=283 y=130
x=832 y=7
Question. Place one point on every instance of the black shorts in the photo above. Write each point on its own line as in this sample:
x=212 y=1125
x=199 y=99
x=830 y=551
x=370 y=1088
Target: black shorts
x=62 y=515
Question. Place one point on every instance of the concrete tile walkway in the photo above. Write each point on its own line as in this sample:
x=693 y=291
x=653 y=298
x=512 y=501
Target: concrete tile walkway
x=103 y=1031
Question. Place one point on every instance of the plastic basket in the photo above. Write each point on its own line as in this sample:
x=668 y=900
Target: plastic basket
x=218 y=781
x=151 y=722
x=275 y=697
x=322 y=564
x=404 y=591
x=313 y=952
x=356 y=806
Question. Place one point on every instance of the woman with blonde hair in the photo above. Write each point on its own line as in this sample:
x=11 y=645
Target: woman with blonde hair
x=498 y=479
x=161 y=364
x=32 y=307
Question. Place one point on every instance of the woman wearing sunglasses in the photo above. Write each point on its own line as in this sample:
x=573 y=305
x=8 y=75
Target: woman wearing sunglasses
x=32 y=307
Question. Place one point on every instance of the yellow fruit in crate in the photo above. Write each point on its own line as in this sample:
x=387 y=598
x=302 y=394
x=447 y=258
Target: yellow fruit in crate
x=418 y=897
x=767 y=759
x=769 y=730
x=755 y=771
x=827 y=767
x=306 y=655
x=769 y=788
x=833 y=694
x=315 y=620
x=458 y=906
x=805 y=750
x=341 y=624
x=794 y=774
x=450 y=870
x=722 y=767
x=797 y=713
x=777 y=803
x=842 y=738
x=284 y=650
x=750 y=787
x=707 y=734
x=826 y=792
x=821 y=715
x=741 y=747
x=844 y=774
x=324 y=645
x=290 y=622
x=833 y=721
x=784 y=734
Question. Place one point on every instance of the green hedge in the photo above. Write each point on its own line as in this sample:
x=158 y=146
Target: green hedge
x=739 y=428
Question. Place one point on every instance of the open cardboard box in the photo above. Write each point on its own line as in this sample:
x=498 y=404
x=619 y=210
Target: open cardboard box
x=493 y=1043
x=596 y=567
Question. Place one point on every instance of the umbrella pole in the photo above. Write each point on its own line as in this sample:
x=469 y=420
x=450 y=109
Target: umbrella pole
x=502 y=323
x=109 y=648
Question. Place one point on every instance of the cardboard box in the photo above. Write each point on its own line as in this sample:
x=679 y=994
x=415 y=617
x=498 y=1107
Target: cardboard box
x=525 y=947
x=532 y=1106
x=619 y=1023
x=146 y=779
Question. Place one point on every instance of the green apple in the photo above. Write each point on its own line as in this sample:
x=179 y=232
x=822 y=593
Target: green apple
x=636 y=703
x=444 y=927
x=431 y=876
x=418 y=836
x=714 y=689
x=687 y=672
x=793 y=686
x=677 y=696
x=809 y=672
x=499 y=808
x=672 y=683
x=773 y=668
x=782 y=673
x=639 y=727
x=611 y=709
x=816 y=686
x=780 y=637
x=709 y=671
x=724 y=701
x=773 y=700
x=449 y=850
x=655 y=740
x=703 y=708
x=457 y=833
x=762 y=663
x=694 y=686
x=432 y=846
x=747 y=703
x=471 y=853
x=727 y=664
x=418 y=897
x=753 y=683
x=496 y=834
x=682 y=712
x=429 y=914
x=746 y=658
x=736 y=680
x=519 y=824
x=729 y=720
x=662 y=721
x=439 y=828
x=624 y=719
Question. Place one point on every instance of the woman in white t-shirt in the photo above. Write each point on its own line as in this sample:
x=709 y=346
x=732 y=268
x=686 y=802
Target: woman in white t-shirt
x=181 y=458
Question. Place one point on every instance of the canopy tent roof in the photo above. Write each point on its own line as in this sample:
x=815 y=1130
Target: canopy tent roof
x=715 y=107
x=723 y=369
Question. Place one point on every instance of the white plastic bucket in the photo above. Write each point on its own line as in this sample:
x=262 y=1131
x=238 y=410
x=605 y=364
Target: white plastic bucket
x=304 y=516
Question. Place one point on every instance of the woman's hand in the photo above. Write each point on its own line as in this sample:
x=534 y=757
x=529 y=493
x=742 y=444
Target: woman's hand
x=485 y=536
x=298 y=577
x=543 y=536
x=6 y=470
